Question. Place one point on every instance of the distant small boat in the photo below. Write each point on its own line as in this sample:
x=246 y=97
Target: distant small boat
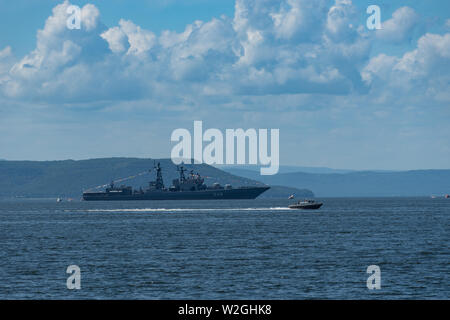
x=58 y=200
x=447 y=196
x=306 y=204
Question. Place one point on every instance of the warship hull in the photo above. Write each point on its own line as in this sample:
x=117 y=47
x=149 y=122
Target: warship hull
x=222 y=194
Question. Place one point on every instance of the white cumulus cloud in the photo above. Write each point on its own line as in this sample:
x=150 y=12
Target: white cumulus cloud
x=128 y=35
x=423 y=73
x=400 y=27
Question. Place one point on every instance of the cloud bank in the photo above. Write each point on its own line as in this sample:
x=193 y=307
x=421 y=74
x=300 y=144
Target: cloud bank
x=268 y=47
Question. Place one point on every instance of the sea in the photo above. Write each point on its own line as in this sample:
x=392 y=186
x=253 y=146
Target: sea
x=241 y=249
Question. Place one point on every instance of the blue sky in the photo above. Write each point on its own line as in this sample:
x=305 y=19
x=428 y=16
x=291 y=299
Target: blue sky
x=342 y=96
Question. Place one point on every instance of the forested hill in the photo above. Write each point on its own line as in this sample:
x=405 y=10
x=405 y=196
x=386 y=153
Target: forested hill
x=70 y=178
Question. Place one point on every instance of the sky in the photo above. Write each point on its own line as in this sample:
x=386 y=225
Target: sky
x=342 y=96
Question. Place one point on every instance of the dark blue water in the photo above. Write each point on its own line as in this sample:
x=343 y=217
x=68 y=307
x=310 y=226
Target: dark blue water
x=225 y=249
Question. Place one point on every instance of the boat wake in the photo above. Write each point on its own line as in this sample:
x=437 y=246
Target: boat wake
x=155 y=210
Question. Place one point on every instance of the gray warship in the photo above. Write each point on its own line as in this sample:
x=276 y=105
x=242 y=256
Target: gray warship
x=191 y=187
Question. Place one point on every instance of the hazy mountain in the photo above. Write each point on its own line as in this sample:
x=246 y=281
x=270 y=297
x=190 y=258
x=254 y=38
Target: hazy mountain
x=285 y=169
x=69 y=178
x=360 y=183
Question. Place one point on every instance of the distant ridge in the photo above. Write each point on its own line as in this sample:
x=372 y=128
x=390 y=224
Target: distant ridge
x=69 y=178
x=285 y=169
x=361 y=183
